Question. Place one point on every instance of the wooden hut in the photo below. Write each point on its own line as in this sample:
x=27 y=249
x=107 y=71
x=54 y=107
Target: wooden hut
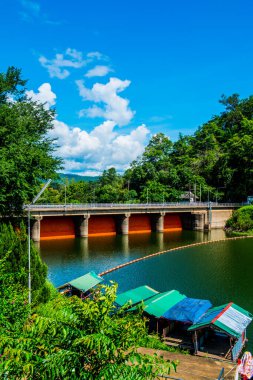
x=221 y=331
x=173 y=313
x=81 y=286
x=134 y=297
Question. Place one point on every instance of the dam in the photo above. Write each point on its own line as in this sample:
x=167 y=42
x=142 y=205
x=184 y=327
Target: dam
x=87 y=220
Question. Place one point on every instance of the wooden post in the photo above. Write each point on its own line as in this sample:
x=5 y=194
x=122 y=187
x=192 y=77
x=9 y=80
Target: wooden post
x=195 y=342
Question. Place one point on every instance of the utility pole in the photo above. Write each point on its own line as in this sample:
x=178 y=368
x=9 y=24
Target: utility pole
x=29 y=239
x=147 y=195
x=200 y=192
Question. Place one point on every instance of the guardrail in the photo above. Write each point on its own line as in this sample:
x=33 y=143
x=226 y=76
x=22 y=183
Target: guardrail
x=132 y=205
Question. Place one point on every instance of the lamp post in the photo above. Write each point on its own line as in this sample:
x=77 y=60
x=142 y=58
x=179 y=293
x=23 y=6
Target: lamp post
x=29 y=240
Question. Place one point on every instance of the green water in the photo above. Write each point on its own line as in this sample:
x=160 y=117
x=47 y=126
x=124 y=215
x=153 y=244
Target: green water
x=70 y=258
x=220 y=272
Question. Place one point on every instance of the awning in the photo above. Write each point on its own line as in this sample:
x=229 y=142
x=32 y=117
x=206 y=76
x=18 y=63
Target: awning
x=189 y=310
x=135 y=296
x=84 y=283
x=230 y=318
x=162 y=302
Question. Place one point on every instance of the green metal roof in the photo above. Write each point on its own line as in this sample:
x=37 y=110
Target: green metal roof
x=135 y=296
x=160 y=303
x=86 y=282
x=229 y=318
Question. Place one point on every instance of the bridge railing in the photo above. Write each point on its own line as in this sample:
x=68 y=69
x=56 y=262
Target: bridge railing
x=132 y=205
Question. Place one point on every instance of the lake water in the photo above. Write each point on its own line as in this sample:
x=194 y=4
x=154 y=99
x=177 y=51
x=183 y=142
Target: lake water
x=70 y=258
x=220 y=272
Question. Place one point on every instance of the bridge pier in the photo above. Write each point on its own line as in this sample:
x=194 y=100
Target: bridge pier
x=158 y=222
x=35 y=233
x=123 y=224
x=198 y=221
x=83 y=227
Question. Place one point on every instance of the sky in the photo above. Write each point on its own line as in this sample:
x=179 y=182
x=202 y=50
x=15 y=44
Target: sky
x=118 y=72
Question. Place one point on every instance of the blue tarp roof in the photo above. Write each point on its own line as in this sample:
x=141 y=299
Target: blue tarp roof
x=211 y=314
x=188 y=310
x=230 y=318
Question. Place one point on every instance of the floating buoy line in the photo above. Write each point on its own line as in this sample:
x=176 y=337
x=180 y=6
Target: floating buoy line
x=170 y=250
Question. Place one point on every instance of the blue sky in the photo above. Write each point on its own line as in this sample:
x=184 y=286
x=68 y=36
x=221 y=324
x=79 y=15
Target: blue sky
x=119 y=71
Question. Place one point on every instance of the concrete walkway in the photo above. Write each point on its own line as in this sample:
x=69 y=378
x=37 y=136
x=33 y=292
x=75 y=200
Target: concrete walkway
x=195 y=368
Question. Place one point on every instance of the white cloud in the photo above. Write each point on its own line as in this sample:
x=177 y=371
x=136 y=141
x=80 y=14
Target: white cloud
x=126 y=148
x=98 y=71
x=56 y=66
x=91 y=173
x=116 y=108
x=100 y=149
x=45 y=95
x=71 y=58
x=99 y=56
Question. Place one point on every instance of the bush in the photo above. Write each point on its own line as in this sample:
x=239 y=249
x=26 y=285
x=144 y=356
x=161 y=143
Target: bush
x=241 y=220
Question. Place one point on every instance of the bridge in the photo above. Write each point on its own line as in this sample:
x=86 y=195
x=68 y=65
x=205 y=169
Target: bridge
x=50 y=221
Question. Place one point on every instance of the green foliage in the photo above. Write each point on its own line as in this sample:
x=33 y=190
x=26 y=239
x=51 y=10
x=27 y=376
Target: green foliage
x=14 y=252
x=241 y=220
x=217 y=159
x=73 y=339
x=11 y=84
x=26 y=155
x=14 y=308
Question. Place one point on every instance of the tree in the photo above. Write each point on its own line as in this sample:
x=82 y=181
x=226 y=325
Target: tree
x=72 y=339
x=217 y=156
x=110 y=187
x=13 y=251
x=27 y=153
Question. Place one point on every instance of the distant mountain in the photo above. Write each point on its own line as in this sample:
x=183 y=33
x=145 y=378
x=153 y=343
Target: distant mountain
x=77 y=177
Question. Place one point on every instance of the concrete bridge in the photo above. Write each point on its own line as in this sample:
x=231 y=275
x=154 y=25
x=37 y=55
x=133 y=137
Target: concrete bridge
x=84 y=220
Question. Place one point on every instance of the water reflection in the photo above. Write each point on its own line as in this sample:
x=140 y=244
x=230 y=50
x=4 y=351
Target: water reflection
x=125 y=245
x=84 y=247
x=70 y=258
